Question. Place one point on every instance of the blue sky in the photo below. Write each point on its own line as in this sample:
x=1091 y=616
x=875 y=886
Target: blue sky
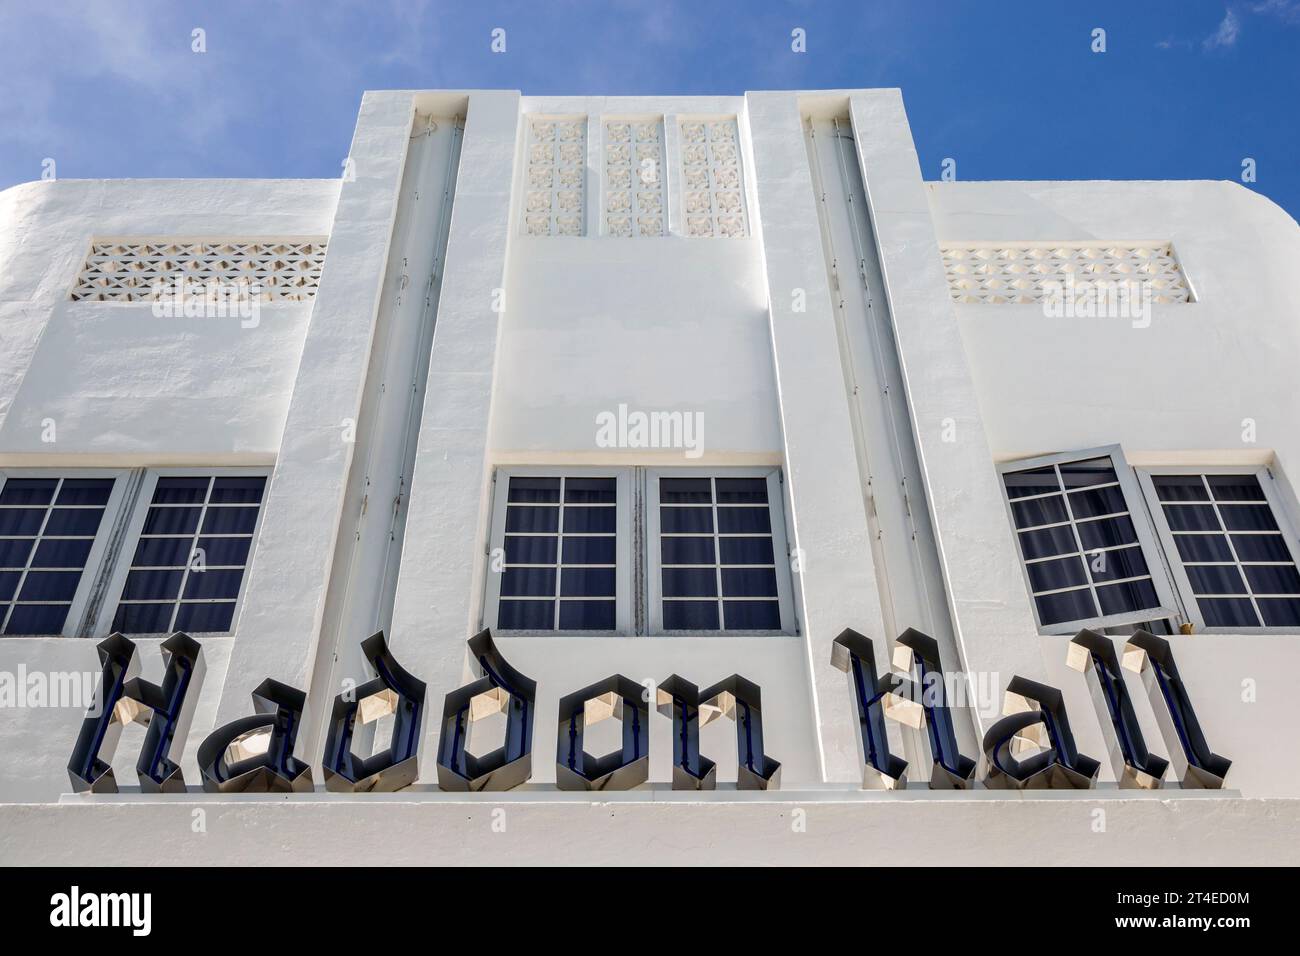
x=1010 y=89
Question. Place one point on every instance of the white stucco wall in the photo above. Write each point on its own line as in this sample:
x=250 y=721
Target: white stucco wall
x=1172 y=391
x=119 y=383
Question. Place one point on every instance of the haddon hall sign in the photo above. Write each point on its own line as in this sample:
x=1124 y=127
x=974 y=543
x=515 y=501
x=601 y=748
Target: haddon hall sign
x=226 y=766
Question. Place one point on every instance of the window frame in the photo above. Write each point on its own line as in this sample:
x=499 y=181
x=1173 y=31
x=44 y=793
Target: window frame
x=623 y=583
x=93 y=568
x=1136 y=503
x=135 y=523
x=1182 y=583
x=780 y=548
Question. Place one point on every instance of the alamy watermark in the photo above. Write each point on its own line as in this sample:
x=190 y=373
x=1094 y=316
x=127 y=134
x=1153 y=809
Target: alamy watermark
x=626 y=428
x=180 y=297
x=1098 y=299
x=22 y=688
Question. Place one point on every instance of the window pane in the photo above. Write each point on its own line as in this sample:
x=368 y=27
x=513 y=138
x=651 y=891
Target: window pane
x=752 y=615
x=1093 y=471
x=1191 y=518
x=685 y=491
x=14 y=552
x=685 y=520
x=590 y=491
x=225 y=551
x=1273 y=579
x=532 y=520
x=1280 y=612
x=691 y=550
x=1053 y=575
x=1203 y=547
x=8 y=584
x=1116 y=565
x=1180 y=488
x=180 y=491
x=37 y=619
x=746 y=550
x=142 y=618
x=85 y=491
x=587 y=615
x=49 y=586
x=21 y=520
x=590 y=550
x=1130 y=596
x=1260 y=547
x=162 y=552
x=73 y=521
x=1248 y=517
x=152 y=585
x=534 y=489
x=230 y=521
x=587 y=582
x=1037 y=481
x=1096 y=502
x=689 y=582
x=213 y=584
x=528 y=582
x=231 y=491
x=197 y=618
x=531 y=549
x=172 y=521
x=742 y=491
x=1227 y=612
x=1046 y=542
x=690 y=615
x=1235 y=488
x=1215 y=579
x=526 y=615
x=28 y=491
x=744 y=521
x=586 y=520
x=1065 y=606
x=62 y=553
x=1106 y=533
x=748 y=582
x=1038 y=511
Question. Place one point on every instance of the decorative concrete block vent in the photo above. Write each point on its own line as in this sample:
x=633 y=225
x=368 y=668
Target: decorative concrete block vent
x=555 y=197
x=140 y=270
x=994 y=275
x=634 y=178
x=713 y=187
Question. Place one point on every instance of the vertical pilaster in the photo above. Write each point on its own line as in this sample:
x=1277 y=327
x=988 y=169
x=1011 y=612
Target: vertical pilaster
x=441 y=575
x=279 y=625
x=837 y=577
x=991 y=613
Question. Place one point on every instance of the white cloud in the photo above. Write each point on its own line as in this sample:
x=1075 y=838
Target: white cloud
x=1227 y=33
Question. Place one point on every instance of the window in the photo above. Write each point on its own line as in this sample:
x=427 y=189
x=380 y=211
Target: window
x=562 y=551
x=705 y=553
x=1087 y=555
x=1231 y=549
x=50 y=532
x=192 y=537
x=716 y=544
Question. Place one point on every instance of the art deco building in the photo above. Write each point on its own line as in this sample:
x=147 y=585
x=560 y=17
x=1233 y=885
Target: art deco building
x=984 y=490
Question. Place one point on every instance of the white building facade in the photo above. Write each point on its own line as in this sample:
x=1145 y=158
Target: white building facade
x=652 y=386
